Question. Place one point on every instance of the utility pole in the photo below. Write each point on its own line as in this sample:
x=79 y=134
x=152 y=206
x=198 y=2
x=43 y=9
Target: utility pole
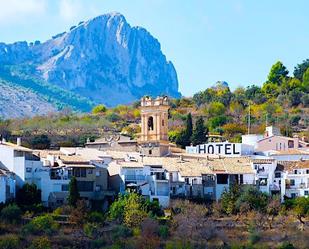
x=249 y=119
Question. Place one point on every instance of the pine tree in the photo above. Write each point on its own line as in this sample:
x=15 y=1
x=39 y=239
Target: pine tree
x=200 y=132
x=73 y=192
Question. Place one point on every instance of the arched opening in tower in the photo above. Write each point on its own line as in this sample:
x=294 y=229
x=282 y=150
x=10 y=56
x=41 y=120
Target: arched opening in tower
x=150 y=124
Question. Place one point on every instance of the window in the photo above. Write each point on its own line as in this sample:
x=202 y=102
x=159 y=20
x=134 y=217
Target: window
x=150 y=152
x=241 y=180
x=85 y=186
x=150 y=124
x=28 y=170
x=65 y=187
x=76 y=172
x=162 y=122
x=18 y=153
x=306 y=192
x=222 y=179
x=90 y=171
x=263 y=181
x=82 y=172
x=277 y=174
x=307 y=171
x=187 y=180
x=98 y=173
x=292 y=182
x=293 y=195
x=291 y=144
x=98 y=188
x=295 y=171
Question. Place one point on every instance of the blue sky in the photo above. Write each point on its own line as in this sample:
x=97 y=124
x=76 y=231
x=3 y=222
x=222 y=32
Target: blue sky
x=207 y=40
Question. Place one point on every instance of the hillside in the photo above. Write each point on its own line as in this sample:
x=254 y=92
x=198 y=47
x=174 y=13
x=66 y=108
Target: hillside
x=29 y=104
x=103 y=60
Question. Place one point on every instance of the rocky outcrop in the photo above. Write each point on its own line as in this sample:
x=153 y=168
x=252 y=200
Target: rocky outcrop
x=104 y=59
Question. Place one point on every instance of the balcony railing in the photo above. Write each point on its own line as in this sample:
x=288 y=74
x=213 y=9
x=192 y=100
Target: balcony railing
x=134 y=177
x=162 y=192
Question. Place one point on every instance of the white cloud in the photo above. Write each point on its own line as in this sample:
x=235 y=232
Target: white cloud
x=12 y=11
x=70 y=10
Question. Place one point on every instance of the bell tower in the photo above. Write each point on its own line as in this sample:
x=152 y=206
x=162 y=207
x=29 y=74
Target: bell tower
x=154 y=118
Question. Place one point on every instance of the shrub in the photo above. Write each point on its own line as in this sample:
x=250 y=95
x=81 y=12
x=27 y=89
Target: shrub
x=99 y=109
x=41 y=224
x=96 y=217
x=286 y=245
x=40 y=142
x=11 y=214
x=9 y=241
x=121 y=232
x=163 y=231
x=28 y=196
x=99 y=243
x=178 y=245
x=90 y=229
x=40 y=243
x=254 y=235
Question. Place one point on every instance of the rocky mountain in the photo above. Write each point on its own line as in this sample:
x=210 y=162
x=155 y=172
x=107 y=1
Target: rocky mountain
x=104 y=60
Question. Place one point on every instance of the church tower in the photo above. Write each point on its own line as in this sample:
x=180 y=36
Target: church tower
x=154 y=118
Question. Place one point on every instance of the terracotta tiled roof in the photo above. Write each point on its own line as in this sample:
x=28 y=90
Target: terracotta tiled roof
x=291 y=152
x=291 y=165
x=45 y=153
x=189 y=167
x=73 y=159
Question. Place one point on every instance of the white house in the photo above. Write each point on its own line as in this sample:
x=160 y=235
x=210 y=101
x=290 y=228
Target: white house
x=144 y=175
x=266 y=177
x=54 y=176
x=7 y=185
x=295 y=179
x=19 y=160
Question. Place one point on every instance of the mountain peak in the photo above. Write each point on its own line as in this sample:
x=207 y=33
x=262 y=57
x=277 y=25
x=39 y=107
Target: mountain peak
x=103 y=59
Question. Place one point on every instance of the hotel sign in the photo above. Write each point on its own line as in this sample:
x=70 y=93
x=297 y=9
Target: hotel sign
x=219 y=149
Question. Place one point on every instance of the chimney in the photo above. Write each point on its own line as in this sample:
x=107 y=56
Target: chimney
x=18 y=142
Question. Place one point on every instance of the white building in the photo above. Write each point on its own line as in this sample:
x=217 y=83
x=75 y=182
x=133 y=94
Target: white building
x=19 y=160
x=267 y=178
x=7 y=185
x=143 y=175
x=295 y=179
x=59 y=167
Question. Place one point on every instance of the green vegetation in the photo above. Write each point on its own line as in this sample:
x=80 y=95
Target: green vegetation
x=11 y=214
x=99 y=109
x=244 y=218
x=73 y=192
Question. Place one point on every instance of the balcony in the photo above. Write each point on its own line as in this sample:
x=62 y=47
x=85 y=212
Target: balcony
x=134 y=178
x=274 y=187
x=299 y=186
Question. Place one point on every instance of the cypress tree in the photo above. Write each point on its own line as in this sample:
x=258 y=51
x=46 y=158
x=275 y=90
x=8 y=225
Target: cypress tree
x=200 y=132
x=73 y=192
x=184 y=138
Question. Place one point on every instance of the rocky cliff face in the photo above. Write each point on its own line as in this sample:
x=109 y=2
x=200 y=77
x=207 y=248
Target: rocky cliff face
x=104 y=59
